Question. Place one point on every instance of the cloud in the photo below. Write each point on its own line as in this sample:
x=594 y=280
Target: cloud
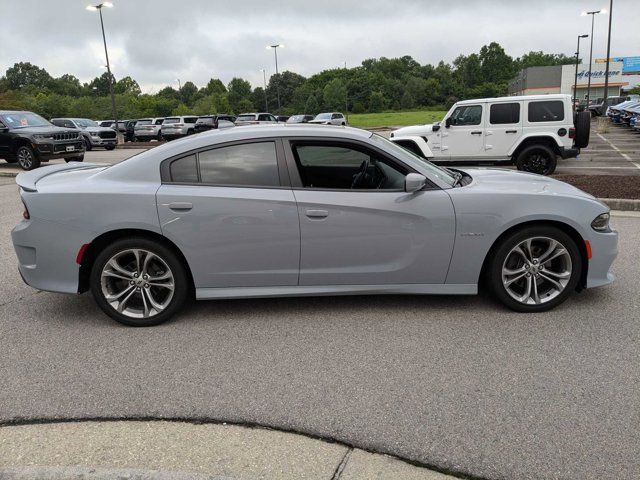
x=158 y=41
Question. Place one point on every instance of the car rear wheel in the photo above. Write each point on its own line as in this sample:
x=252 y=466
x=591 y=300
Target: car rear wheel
x=535 y=269
x=27 y=159
x=139 y=282
x=538 y=159
x=87 y=145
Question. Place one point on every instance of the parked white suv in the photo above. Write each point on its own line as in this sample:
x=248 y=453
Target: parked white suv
x=147 y=129
x=176 y=127
x=331 y=118
x=530 y=131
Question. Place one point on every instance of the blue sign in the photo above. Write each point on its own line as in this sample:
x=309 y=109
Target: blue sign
x=630 y=65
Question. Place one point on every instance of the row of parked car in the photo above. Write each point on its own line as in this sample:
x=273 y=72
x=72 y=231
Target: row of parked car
x=170 y=128
x=626 y=113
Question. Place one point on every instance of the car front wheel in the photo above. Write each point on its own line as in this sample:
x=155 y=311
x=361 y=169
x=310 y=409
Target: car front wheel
x=27 y=159
x=139 y=282
x=535 y=269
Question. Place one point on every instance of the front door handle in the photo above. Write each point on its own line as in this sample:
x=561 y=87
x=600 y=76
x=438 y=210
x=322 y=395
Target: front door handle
x=511 y=131
x=317 y=213
x=181 y=206
x=476 y=132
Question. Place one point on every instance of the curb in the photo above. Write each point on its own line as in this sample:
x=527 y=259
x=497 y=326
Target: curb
x=622 y=204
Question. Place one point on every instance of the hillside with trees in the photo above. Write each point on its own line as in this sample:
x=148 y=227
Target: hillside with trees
x=376 y=85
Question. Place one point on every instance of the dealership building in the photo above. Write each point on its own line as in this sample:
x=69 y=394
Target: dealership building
x=561 y=78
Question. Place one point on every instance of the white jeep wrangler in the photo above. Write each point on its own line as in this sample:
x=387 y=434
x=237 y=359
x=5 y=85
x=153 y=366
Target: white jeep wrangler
x=530 y=131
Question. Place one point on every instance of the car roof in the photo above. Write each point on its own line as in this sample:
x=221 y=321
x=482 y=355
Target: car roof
x=6 y=112
x=517 y=98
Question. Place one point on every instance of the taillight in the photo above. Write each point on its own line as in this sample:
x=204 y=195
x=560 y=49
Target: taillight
x=572 y=132
x=25 y=214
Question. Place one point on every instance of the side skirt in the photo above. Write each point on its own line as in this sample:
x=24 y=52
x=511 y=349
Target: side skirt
x=321 y=290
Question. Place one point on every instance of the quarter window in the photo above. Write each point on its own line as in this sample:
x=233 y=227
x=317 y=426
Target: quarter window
x=252 y=164
x=547 y=111
x=184 y=170
x=467 y=115
x=342 y=167
x=503 y=113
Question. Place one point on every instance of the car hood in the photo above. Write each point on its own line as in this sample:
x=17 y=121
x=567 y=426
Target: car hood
x=420 y=130
x=98 y=129
x=43 y=129
x=493 y=180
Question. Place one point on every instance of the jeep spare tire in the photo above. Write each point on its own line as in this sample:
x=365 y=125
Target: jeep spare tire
x=583 y=129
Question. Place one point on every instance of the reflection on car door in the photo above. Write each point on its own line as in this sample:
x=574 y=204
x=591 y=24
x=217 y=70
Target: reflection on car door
x=226 y=210
x=366 y=237
x=465 y=136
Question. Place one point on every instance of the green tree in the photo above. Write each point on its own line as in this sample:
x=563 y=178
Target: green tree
x=27 y=76
x=311 y=107
x=100 y=85
x=407 y=101
x=496 y=65
x=188 y=93
x=334 y=95
x=215 y=87
x=239 y=90
x=127 y=85
x=377 y=102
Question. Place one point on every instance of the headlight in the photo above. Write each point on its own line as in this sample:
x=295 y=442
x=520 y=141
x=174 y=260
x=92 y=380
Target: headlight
x=43 y=136
x=601 y=222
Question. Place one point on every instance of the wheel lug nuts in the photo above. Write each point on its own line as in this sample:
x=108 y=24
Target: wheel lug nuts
x=145 y=276
x=146 y=285
x=132 y=282
x=135 y=275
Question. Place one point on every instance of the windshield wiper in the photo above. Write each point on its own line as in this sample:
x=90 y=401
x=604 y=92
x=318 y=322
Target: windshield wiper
x=457 y=177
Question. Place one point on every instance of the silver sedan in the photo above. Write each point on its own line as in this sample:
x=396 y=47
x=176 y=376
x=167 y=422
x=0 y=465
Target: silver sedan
x=284 y=210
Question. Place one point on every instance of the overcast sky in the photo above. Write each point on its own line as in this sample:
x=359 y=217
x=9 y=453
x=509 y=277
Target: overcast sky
x=158 y=41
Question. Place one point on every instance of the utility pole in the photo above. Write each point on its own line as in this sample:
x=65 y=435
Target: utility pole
x=575 y=82
x=606 y=72
x=264 y=79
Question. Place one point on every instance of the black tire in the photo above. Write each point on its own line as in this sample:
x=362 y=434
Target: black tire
x=190 y=132
x=159 y=136
x=27 y=158
x=87 y=144
x=583 y=129
x=170 y=259
x=110 y=147
x=538 y=159
x=74 y=159
x=503 y=250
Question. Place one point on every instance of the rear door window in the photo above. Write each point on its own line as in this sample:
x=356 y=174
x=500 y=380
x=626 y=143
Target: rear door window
x=504 y=113
x=251 y=164
x=184 y=170
x=546 y=111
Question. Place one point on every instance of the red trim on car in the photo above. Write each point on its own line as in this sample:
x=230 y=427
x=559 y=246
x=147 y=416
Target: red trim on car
x=587 y=245
x=83 y=249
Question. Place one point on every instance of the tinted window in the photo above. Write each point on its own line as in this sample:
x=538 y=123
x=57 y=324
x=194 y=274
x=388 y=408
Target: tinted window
x=264 y=118
x=251 y=164
x=159 y=121
x=184 y=170
x=144 y=122
x=58 y=123
x=467 y=115
x=172 y=120
x=190 y=119
x=504 y=113
x=343 y=167
x=246 y=118
x=548 y=111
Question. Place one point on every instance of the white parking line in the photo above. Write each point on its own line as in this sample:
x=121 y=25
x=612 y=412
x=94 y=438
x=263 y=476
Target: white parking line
x=624 y=155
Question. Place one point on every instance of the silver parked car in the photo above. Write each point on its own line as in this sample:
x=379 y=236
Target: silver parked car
x=176 y=127
x=301 y=210
x=147 y=129
x=255 y=119
x=332 y=118
x=92 y=134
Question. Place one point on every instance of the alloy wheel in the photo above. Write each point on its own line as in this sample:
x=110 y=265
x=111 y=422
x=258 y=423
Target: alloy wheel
x=25 y=158
x=537 y=163
x=137 y=283
x=536 y=270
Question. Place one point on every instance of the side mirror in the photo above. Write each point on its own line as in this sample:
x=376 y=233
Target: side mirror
x=447 y=122
x=435 y=127
x=414 y=182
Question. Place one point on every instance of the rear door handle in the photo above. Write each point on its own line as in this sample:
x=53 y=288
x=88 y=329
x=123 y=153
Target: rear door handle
x=317 y=213
x=476 y=132
x=511 y=131
x=181 y=206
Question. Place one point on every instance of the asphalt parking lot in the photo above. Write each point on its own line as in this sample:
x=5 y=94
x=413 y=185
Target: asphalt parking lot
x=457 y=383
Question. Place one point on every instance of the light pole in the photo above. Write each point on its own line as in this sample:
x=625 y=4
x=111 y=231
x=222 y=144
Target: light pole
x=179 y=84
x=606 y=71
x=264 y=79
x=106 y=54
x=575 y=82
x=593 y=16
x=275 y=52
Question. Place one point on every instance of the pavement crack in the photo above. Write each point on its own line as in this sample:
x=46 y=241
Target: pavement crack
x=342 y=465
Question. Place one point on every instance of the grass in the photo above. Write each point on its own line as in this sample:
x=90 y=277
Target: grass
x=394 y=119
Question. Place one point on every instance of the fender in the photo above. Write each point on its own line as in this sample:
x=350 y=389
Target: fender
x=420 y=145
x=554 y=137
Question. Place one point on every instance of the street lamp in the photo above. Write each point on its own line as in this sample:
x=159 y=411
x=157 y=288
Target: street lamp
x=593 y=16
x=179 y=84
x=606 y=72
x=575 y=83
x=99 y=7
x=264 y=79
x=275 y=51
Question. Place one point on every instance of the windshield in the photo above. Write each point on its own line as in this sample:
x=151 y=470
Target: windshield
x=85 y=122
x=323 y=116
x=23 y=119
x=296 y=119
x=410 y=157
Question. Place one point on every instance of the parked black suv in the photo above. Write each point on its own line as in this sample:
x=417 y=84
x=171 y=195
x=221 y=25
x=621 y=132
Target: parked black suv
x=209 y=122
x=29 y=139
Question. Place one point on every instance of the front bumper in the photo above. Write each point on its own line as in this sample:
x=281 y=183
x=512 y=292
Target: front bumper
x=103 y=142
x=52 y=150
x=569 y=152
x=604 y=248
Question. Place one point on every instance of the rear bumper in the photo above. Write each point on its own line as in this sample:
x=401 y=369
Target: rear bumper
x=569 y=152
